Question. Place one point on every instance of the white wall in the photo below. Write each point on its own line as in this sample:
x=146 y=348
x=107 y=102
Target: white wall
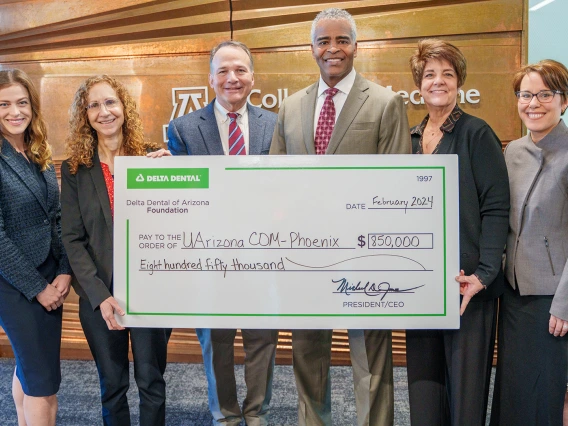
x=547 y=32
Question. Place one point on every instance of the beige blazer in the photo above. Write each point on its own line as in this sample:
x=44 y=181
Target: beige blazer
x=372 y=121
x=537 y=245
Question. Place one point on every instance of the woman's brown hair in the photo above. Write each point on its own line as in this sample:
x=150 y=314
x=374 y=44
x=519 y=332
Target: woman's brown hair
x=35 y=135
x=82 y=139
x=553 y=74
x=432 y=48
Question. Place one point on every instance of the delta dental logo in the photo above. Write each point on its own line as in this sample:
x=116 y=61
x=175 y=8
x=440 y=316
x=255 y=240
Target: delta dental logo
x=166 y=178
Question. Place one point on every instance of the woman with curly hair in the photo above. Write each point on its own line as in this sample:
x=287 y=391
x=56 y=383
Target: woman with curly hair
x=34 y=270
x=103 y=124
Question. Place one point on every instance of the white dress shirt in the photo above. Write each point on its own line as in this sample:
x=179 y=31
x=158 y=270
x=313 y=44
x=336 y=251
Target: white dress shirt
x=223 y=125
x=344 y=87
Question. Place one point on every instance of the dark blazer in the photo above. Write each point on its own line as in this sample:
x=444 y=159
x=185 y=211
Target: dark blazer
x=197 y=133
x=87 y=230
x=537 y=256
x=484 y=199
x=372 y=121
x=30 y=227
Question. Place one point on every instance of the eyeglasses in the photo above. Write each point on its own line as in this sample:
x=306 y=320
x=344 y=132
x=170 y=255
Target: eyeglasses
x=544 y=96
x=108 y=103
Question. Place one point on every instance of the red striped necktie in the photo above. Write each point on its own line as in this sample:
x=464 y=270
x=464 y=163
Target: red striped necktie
x=236 y=138
x=326 y=122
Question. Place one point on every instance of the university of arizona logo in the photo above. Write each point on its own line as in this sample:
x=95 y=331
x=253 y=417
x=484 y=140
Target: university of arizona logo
x=186 y=100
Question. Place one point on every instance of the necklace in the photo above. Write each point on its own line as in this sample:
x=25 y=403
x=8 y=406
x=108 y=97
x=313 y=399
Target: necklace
x=430 y=137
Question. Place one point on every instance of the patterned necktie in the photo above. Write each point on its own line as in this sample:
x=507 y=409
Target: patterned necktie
x=326 y=122
x=236 y=139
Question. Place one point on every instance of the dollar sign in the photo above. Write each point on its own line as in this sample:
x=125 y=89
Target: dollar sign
x=361 y=241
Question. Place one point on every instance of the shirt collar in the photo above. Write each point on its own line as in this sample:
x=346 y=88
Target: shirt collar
x=223 y=111
x=343 y=86
x=447 y=126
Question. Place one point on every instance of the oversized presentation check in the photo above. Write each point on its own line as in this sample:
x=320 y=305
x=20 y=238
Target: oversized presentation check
x=361 y=241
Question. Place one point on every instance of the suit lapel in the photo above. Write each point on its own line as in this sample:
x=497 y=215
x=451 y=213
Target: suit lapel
x=256 y=130
x=100 y=187
x=210 y=131
x=355 y=100
x=308 y=112
x=21 y=169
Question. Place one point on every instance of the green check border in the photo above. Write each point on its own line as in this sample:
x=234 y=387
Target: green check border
x=187 y=314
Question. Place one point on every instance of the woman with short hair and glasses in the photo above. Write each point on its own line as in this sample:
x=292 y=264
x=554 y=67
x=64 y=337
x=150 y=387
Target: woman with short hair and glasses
x=533 y=319
x=104 y=124
x=449 y=370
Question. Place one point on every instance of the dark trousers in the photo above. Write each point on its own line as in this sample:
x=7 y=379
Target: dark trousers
x=110 y=351
x=530 y=382
x=449 y=370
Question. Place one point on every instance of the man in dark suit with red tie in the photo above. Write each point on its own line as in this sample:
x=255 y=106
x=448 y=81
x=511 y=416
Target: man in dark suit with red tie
x=231 y=126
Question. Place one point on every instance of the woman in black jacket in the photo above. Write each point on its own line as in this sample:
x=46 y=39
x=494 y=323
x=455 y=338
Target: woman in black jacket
x=104 y=124
x=449 y=370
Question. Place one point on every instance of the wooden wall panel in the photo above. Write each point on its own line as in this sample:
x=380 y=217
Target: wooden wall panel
x=151 y=81
x=160 y=48
x=377 y=20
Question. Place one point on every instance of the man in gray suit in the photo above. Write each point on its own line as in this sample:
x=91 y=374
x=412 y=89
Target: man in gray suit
x=342 y=113
x=231 y=126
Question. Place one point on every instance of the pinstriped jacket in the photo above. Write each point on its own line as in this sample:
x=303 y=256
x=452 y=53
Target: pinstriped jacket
x=29 y=227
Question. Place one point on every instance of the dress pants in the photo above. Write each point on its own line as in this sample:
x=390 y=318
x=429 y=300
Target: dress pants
x=217 y=346
x=371 y=357
x=110 y=352
x=449 y=370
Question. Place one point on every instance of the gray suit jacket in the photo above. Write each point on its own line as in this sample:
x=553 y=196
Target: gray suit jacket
x=30 y=227
x=87 y=230
x=537 y=245
x=197 y=133
x=372 y=121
